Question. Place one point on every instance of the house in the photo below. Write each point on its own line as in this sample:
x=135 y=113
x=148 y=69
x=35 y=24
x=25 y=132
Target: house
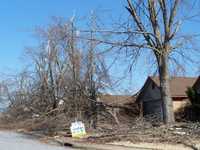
x=121 y=108
x=149 y=98
x=196 y=85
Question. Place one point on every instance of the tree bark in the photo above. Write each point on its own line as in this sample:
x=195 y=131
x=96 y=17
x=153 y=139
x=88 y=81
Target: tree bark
x=167 y=103
x=53 y=96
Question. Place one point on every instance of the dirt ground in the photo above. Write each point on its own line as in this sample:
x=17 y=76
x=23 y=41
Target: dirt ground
x=156 y=146
x=140 y=134
x=125 y=145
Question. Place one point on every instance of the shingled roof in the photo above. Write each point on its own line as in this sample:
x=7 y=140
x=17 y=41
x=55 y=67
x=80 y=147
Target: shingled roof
x=117 y=100
x=178 y=85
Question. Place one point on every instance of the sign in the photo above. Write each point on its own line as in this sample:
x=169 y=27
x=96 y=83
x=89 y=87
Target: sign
x=78 y=129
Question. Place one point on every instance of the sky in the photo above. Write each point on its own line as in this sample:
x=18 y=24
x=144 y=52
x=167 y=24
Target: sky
x=18 y=18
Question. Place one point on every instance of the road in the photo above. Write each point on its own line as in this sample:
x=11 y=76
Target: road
x=14 y=141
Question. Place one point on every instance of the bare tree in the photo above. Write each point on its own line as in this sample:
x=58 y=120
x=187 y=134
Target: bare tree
x=161 y=15
x=154 y=25
x=158 y=22
x=68 y=69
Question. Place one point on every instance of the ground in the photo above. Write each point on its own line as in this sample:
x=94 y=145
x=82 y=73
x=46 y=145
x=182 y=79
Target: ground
x=139 y=135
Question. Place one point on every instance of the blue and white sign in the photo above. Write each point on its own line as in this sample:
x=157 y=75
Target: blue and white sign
x=78 y=129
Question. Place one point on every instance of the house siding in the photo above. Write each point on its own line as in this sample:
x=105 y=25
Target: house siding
x=197 y=88
x=152 y=99
x=177 y=105
x=152 y=94
x=156 y=112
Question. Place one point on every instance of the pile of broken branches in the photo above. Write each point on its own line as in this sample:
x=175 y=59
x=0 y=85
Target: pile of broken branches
x=143 y=131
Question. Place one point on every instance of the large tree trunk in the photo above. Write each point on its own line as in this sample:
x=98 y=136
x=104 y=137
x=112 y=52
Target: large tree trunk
x=94 y=108
x=168 y=114
x=53 y=96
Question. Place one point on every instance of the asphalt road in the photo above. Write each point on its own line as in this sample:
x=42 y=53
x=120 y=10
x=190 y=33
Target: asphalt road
x=14 y=141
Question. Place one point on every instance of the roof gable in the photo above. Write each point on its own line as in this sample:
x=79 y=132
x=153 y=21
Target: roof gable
x=144 y=88
x=197 y=83
x=178 y=85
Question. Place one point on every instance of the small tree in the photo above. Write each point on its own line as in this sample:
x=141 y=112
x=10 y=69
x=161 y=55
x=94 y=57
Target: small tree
x=194 y=97
x=192 y=111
